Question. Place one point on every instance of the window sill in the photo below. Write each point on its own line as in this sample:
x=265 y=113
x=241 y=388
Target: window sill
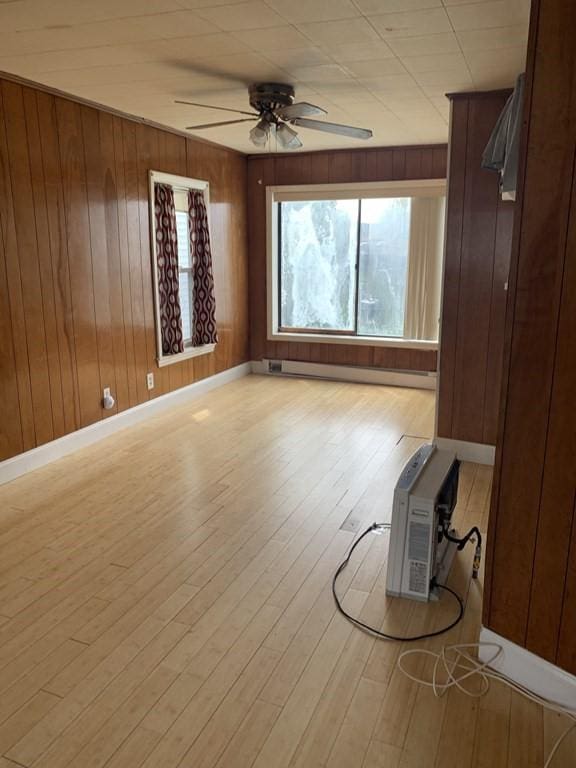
x=366 y=341
x=186 y=355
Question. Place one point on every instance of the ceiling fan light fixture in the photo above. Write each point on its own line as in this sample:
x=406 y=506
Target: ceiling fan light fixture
x=259 y=134
x=287 y=138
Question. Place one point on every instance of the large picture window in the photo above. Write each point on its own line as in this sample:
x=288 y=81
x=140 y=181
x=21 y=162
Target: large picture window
x=358 y=263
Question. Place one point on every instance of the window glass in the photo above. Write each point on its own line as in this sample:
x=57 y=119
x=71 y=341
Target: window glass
x=183 y=239
x=384 y=246
x=185 y=305
x=318 y=245
x=185 y=273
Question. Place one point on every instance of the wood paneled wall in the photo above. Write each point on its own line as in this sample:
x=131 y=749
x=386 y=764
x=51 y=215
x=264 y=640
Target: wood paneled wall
x=340 y=166
x=76 y=303
x=531 y=568
x=477 y=256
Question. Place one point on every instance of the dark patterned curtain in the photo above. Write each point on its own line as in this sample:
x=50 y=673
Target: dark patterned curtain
x=204 y=331
x=167 y=267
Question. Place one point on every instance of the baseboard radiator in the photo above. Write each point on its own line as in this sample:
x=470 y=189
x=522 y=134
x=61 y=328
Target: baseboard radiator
x=295 y=368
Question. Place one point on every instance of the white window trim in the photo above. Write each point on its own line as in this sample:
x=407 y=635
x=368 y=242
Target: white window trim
x=275 y=194
x=186 y=355
x=182 y=183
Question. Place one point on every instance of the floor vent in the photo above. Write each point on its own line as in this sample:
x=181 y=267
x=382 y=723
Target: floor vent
x=352 y=523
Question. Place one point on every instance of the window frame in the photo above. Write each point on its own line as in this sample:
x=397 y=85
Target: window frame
x=182 y=184
x=284 y=193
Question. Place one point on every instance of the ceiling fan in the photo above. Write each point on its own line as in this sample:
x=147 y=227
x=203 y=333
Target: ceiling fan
x=274 y=113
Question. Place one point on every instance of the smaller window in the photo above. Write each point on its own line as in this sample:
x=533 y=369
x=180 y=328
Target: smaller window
x=179 y=220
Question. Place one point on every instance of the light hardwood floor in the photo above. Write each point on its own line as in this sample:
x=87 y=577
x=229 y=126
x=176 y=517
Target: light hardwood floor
x=165 y=596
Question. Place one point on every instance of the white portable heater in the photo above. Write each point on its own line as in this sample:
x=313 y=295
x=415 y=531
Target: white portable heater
x=420 y=554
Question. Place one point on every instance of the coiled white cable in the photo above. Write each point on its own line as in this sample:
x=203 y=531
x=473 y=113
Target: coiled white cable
x=454 y=666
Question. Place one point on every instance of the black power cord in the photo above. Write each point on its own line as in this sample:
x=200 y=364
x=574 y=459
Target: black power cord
x=474 y=531
x=372 y=630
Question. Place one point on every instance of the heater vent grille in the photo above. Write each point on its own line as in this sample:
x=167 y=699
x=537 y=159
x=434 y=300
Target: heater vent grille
x=418 y=542
x=418 y=575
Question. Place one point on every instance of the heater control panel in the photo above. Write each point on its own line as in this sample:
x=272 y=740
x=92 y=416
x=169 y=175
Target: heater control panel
x=415 y=466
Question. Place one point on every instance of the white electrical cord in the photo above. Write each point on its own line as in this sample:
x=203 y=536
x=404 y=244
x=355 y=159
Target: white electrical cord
x=456 y=666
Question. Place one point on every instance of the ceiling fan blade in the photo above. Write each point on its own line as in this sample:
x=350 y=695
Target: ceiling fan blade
x=341 y=130
x=300 y=109
x=216 y=125
x=221 y=109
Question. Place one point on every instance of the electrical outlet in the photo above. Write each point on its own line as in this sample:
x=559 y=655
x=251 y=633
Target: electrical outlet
x=150 y=380
x=107 y=399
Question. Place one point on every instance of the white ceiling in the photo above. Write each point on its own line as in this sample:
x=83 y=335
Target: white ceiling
x=379 y=64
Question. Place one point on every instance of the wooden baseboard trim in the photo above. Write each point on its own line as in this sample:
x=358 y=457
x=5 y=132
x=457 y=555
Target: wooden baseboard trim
x=56 y=449
x=479 y=453
x=529 y=670
x=413 y=379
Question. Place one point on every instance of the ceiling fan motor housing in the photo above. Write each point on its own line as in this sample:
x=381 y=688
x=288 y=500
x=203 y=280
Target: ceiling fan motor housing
x=266 y=97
